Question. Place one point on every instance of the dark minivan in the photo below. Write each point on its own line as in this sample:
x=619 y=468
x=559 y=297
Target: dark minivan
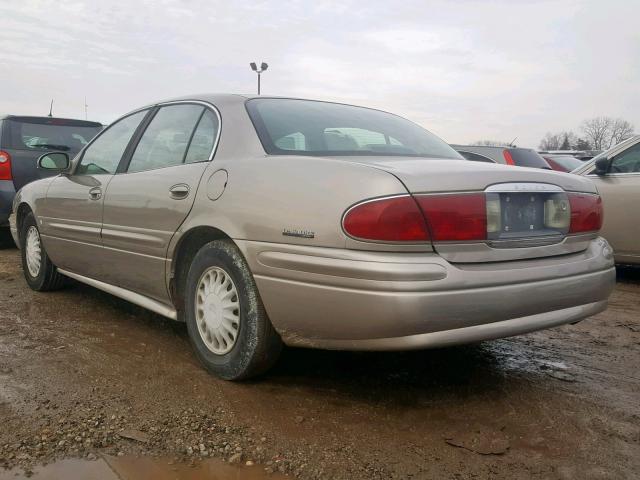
x=22 y=140
x=516 y=156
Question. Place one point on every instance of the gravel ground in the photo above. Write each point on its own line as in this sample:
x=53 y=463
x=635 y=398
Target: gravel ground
x=86 y=375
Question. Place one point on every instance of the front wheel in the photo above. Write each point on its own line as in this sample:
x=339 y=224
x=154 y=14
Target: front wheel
x=39 y=272
x=228 y=326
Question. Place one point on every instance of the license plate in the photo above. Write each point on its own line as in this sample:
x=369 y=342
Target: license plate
x=520 y=215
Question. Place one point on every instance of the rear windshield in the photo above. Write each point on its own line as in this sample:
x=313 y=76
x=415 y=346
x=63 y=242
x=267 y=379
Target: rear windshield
x=566 y=161
x=523 y=157
x=306 y=127
x=50 y=134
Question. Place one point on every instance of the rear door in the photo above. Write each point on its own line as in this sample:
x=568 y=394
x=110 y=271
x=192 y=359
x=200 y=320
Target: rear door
x=26 y=138
x=146 y=203
x=620 y=191
x=71 y=216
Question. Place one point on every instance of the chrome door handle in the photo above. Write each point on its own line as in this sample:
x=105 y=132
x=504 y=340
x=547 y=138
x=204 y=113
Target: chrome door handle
x=95 y=193
x=179 y=191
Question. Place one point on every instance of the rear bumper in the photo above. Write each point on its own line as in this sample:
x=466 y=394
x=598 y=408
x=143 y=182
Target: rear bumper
x=7 y=192
x=341 y=299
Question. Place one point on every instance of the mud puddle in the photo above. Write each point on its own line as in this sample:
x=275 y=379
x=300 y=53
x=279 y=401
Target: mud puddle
x=139 y=468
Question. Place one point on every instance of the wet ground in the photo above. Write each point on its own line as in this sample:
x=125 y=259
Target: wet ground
x=84 y=375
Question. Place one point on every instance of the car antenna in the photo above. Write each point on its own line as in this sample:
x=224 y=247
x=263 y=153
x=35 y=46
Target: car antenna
x=51 y=109
x=511 y=144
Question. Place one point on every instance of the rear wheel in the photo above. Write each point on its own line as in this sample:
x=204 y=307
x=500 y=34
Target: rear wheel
x=39 y=272
x=228 y=326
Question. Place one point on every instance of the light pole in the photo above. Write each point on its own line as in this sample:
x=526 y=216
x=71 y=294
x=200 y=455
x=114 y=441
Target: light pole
x=254 y=67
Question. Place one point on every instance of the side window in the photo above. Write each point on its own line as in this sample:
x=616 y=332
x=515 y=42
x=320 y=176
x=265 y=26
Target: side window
x=165 y=140
x=103 y=155
x=203 y=138
x=627 y=161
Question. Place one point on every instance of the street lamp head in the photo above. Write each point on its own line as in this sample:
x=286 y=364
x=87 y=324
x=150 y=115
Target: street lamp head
x=253 y=66
x=263 y=66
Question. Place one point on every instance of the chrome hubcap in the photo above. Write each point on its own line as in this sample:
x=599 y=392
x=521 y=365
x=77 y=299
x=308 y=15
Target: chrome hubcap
x=33 y=251
x=217 y=310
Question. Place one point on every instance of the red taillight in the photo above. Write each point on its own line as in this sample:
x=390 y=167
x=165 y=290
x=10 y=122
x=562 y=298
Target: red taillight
x=396 y=219
x=508 y=158
x=586 y=212
x=5 y=165
x=455 y=217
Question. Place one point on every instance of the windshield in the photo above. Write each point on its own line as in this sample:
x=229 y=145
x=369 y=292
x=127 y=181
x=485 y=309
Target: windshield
x=51 y=134
x=307 y=127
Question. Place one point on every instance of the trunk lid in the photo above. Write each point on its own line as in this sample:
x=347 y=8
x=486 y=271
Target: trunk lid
x=522 y=196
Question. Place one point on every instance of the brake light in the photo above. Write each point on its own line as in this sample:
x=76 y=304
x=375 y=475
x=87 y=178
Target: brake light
x=508 y=158
x=455 y=217
x=586 y=212
x=5 y=166
x=395 y=219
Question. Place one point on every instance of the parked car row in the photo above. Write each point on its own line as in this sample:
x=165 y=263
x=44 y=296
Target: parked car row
x=268 y=221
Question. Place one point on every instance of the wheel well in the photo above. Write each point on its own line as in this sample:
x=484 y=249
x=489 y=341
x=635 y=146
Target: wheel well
x=23 y=210
x=186 y=250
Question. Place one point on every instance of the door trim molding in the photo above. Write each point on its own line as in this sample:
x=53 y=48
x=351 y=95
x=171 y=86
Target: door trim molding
x=128 y=295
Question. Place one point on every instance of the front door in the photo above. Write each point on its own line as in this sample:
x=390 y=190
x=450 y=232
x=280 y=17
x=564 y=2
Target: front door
x=620 y=191
x=71 y=217
x=146 y=203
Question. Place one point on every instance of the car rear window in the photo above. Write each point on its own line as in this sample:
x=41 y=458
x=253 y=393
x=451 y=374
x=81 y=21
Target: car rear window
x=50 y=134
x=307 y=127
x=567 y=161
x=523 y=157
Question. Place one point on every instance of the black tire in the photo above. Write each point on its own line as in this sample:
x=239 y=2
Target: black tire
x=47 y=277
x=257 y=345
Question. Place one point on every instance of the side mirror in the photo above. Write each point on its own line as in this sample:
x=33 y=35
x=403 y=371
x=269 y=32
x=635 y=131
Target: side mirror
x=602 y=166
x=54 y=161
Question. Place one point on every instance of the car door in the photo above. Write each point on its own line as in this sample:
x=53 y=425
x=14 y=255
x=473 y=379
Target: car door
x=146 y=203
x=620 y=191
x=71 y=216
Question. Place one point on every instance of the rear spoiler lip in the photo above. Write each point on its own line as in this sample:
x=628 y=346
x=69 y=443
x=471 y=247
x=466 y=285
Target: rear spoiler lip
x=68 y=122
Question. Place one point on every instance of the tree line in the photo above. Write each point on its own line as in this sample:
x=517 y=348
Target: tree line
x=599 y=133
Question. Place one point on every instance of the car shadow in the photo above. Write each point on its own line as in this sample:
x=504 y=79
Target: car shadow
x=628 y=274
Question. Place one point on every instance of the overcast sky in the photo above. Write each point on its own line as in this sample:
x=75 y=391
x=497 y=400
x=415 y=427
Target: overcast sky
x=466 y=70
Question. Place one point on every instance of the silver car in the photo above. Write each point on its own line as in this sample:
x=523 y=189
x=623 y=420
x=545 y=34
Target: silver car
x=616 y=174
x=268 y=221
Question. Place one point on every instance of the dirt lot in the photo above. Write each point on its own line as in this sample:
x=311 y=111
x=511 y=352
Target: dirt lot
x=83 y=374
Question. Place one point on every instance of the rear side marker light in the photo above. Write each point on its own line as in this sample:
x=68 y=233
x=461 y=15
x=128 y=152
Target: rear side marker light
x=586 y=213
x=393 y=219
x=5 y=165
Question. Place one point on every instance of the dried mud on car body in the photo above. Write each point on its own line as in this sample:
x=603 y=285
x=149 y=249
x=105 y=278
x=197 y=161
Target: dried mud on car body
x=80 y=370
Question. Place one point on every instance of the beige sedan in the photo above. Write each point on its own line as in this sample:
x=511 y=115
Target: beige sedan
x=616 y=174
x=268 y=221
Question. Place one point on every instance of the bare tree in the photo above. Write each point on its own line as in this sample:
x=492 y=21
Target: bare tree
x=558 y=141
x=551 y=141
x=493 y=143
x=604 y=132
x=620 y=130
x=598 y=131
